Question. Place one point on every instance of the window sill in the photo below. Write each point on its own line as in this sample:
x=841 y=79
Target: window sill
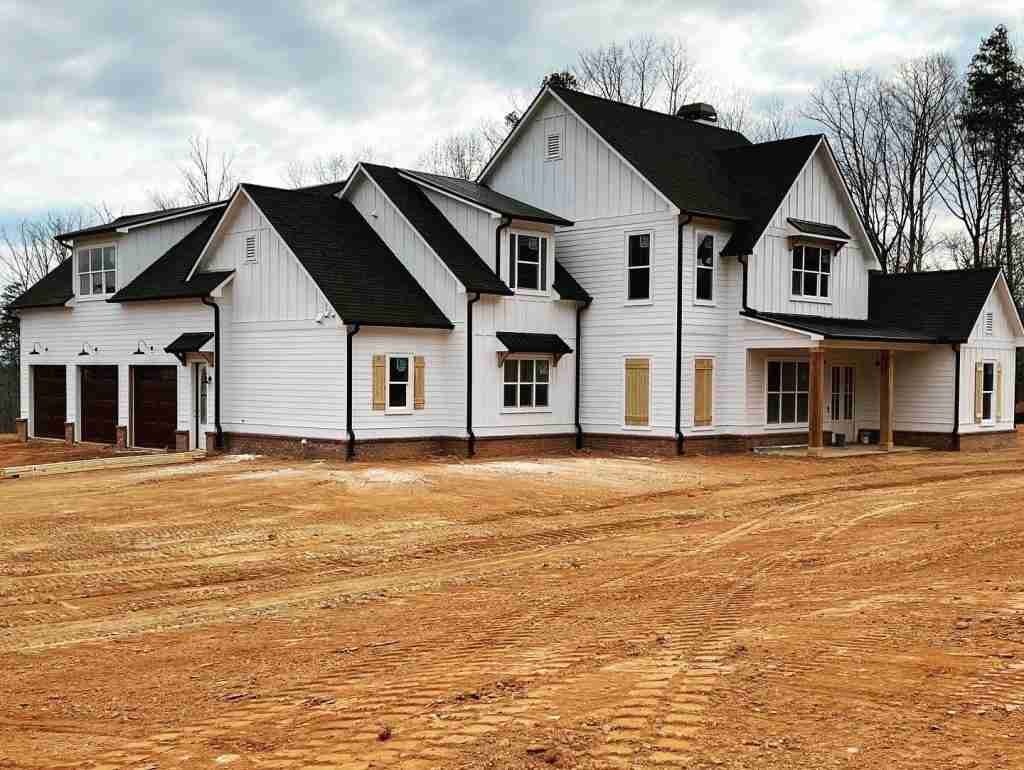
x=814 y=300
x=399 y=410
x=705 y=303
x=638 y=302
x=702 y=428
x=532 y=293
x=637 y=427
x=540 y=410
x=93 y=297
x=787 y=426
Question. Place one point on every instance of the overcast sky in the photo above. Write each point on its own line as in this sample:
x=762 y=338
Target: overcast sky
x=99 y=99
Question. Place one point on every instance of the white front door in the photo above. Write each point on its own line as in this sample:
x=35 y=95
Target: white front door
x=200 y=404
x=842 y=402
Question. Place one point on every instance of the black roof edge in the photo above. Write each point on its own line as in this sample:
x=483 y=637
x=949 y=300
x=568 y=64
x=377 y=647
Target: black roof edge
x=923 y=340
x=443 y=327
x=144 y=218
x=711 y=215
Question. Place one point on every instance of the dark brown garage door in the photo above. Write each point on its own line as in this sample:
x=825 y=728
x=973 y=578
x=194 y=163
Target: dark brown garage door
x=99 y=404
x=50 y=392
x=155 y=392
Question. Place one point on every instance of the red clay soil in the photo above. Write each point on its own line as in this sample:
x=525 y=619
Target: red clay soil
x=14 y=452
x=579 y=612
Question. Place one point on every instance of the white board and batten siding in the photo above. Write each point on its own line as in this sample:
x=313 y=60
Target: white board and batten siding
x=283 y=351
x=118 y=330
x=816 y=196
x=588 y=181
x=994 y=339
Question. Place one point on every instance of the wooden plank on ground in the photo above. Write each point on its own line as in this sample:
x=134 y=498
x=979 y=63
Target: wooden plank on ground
x=100 y=463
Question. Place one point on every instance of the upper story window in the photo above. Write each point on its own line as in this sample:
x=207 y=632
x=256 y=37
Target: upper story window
x=528 y=269
x=638 y=266
x=705 y=291
x=812 y=272
x=97 y=270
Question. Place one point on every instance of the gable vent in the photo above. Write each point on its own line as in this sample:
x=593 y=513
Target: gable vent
x=701 y=112
x=990 y=323
x=250 y=249
x=553 y=148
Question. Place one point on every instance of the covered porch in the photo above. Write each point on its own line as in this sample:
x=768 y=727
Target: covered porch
x=845 y=388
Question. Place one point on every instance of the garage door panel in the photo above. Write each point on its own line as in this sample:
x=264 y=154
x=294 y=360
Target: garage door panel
x=155 y=396
x=50 y=396
x=99 y=404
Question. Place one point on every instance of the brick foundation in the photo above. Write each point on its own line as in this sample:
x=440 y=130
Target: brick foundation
x=518 y=446
x=181 y=441
x=710 y=445
x=977 y=442
x=211 y=443
x=943 y=441
x=69 y=432
x=631 y=444
x=21 y=429
x=122 y=436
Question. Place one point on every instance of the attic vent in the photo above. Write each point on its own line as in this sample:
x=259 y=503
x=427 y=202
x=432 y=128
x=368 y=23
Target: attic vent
x=250 y=249
x=553 y=148
x=699 y=111
x=990 y=322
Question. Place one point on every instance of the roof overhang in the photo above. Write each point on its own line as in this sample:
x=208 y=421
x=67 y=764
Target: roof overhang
x=156 y=219
x=529 y=342
x=189 y=342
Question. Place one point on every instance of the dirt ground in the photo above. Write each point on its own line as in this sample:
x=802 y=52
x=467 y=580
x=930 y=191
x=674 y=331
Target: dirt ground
x=574 y=612
x=14 y=452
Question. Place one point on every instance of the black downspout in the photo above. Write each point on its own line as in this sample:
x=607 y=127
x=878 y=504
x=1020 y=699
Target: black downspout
x=471 y=445
x=216 y=371
x=956 y=402
x=580 y=307
x=350 y=450
x=679 y=333
x=743 y=261
x=505 y=222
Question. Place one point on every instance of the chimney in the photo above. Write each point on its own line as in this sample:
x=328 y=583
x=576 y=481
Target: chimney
x=698 y=111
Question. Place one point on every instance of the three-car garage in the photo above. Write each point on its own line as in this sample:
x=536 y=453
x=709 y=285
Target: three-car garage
x=152 y=395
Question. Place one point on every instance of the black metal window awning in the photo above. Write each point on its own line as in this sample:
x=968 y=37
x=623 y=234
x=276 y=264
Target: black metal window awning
x=819 y=230
x=189 y=342
x=528 y=342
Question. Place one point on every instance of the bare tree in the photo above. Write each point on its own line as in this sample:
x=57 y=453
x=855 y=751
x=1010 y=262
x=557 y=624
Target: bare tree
x=322 y=169
x=461 y=155
x=678 y=74
x=628 y=73
x=777 y=121
x=30 y=249
x=203 y=179
x=734 y=107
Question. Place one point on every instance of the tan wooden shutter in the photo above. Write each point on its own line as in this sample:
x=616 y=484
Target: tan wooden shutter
x=379 y=382
x=979 y=391
x=703 y=391
x=420 y=383
x=638 y=388
x=999 y=392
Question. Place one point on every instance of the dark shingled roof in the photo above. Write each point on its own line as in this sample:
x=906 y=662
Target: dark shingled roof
x=702 y=169
x=935 y=307
x=52 y=290
x=944 y=304
x=189 y=342
x=167 y=277
x=843 y=328
x=566 y=285
x=817 y=228
x=437 y=231
x=138 y=219
x=524 y=342
x=360 y=276
x=482 y=195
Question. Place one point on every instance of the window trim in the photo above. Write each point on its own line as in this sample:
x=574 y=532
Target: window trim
x=816 y=299
x=76 y=288
x=784 y=426
x=650 y=391
x=410 y=392
x=549 y=269
x=698 y=236
x=549 y=360
x=649 y=300
x=994 y=410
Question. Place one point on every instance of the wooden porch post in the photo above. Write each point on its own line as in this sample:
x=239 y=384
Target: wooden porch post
x=886 y=399
x=816 y=407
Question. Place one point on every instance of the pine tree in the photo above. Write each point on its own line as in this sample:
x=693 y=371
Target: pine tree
x=995 y=115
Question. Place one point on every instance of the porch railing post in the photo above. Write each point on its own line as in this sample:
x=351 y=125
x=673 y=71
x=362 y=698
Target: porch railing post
x=816 y=416
x=886 y=399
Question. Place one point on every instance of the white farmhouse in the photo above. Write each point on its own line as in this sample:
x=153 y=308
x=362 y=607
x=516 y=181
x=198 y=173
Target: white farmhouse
x=616 y=278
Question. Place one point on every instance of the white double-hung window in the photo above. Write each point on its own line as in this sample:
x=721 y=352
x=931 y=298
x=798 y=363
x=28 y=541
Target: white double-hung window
x=528 y=257
x=97 y=270
x=526 y=383
x=399 y=382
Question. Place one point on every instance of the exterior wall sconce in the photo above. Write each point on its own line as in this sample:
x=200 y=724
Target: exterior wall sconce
x=141 y=348
x=36 y=351
x=85 y=349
